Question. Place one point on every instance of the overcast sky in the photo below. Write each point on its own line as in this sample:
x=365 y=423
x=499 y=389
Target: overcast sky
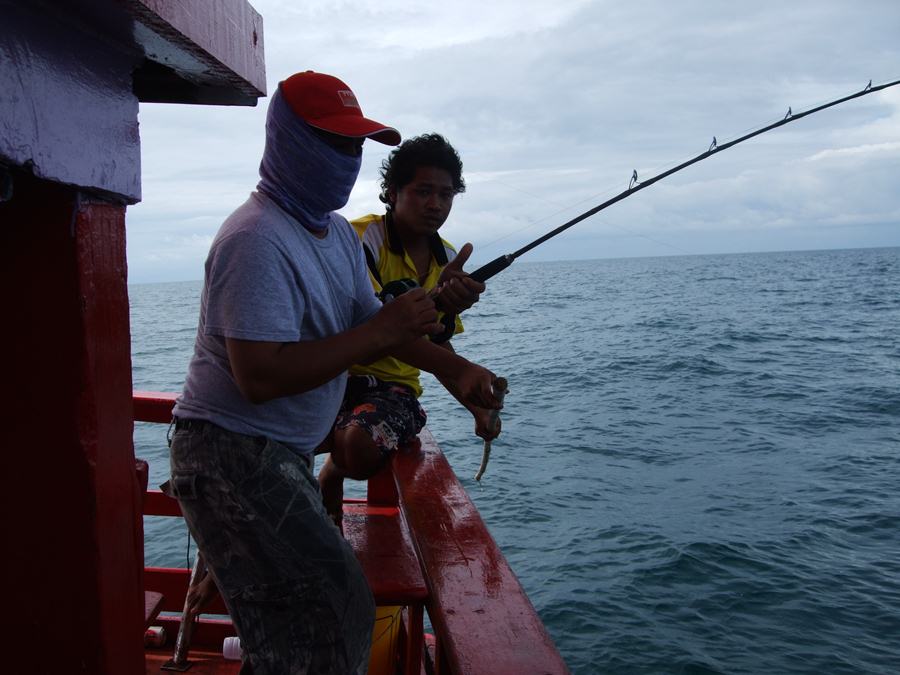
x=552 y=105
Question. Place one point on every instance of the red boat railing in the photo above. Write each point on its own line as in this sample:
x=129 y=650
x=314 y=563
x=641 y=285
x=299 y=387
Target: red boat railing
x=422 y=544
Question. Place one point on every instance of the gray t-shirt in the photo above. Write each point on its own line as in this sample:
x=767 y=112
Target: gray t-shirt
x=269 y=279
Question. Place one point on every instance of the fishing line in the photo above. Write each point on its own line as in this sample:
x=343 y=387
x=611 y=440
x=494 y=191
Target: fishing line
x=563 y=209
x=636 y=184
x=659 y=168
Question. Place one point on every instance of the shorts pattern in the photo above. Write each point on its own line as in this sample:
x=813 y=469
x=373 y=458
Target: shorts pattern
x=388 y=411
x=292 y=584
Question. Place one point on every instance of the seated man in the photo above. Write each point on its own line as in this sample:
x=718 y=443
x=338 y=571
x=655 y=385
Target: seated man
x=381 y=410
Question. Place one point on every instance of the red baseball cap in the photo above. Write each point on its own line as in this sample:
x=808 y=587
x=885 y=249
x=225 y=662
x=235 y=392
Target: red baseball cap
x=327 y=103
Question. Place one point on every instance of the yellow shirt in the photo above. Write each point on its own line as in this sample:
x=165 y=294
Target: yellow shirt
x=393 y=263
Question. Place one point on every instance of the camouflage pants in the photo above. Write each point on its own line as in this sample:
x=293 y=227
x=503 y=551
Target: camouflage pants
x=293 y=586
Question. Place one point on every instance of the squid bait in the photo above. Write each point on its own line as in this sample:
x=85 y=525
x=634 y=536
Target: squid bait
x=500 y=391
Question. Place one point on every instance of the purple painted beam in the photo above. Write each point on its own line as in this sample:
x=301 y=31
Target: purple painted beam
x=207 y=52
x=72 y=73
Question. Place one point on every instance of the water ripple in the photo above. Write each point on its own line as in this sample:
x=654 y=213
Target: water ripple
x=699 y=467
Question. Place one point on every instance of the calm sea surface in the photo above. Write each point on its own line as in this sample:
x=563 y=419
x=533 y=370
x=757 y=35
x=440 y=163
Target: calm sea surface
x=699 y=470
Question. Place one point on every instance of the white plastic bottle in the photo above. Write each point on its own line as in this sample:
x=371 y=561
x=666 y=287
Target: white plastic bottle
x=231 y=648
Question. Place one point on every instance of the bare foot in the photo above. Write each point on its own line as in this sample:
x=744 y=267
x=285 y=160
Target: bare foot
x=331 y=483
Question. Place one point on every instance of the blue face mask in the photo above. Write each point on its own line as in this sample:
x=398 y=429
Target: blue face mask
x=302 y=173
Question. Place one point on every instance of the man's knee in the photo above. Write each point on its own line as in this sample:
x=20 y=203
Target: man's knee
x=355 y=453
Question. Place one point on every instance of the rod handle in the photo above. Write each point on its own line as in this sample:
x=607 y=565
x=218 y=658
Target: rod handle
x=496 y=266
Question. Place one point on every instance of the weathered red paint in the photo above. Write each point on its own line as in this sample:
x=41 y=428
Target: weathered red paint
x=105 y=408
x=206 y=648
x=379 y=535
x=484 y=621
x=152 y=606
x=70 y=150
x=158 y=504
x=172 y=582
x=383 y=545
x=77 y=543
x=153 y=406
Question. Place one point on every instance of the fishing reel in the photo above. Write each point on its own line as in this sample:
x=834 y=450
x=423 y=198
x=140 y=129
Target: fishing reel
x=398 y=287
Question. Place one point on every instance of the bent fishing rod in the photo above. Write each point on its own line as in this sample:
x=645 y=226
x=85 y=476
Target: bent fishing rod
x=499 y=264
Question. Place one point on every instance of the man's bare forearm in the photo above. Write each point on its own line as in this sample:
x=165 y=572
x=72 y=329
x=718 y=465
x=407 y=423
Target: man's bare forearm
x=435 y=359
x=469 y=383
x=269 y=370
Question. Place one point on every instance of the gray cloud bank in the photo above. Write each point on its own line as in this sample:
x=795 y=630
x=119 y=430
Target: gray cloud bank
x=553 y=105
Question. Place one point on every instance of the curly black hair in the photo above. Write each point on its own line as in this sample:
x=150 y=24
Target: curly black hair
x=425 y=150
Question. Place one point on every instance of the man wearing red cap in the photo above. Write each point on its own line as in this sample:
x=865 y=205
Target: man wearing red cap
x=286 y=309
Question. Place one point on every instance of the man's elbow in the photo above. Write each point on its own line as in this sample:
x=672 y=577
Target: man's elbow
x=252 y=369
x=255 y=390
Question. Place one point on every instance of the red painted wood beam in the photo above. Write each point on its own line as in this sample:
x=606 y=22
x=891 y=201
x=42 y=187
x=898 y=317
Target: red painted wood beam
x=77 y=545
x=485 y=623
x=158 y=504
x=153 y=406
x=172 y=582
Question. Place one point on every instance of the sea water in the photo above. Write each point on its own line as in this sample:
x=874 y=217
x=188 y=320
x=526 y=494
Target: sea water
x=699 y=470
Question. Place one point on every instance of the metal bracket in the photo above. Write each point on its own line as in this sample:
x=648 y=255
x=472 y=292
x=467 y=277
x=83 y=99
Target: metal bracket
x=179 y=661
x=634 y=180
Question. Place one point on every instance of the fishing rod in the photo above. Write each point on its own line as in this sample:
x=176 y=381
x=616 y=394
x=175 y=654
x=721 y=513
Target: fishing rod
x=499 y=264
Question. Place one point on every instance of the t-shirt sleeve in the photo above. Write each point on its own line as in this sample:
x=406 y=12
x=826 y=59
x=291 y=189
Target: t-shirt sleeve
x=253 y=293
x=366 y=301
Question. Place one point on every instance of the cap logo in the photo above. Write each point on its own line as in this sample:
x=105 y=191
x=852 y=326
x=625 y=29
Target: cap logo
x=348 y=99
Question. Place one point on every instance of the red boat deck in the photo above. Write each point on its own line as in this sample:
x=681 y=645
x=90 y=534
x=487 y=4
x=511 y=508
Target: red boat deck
x=70 y=164
x=203 y=662
x=423 y=546
x=383 y=544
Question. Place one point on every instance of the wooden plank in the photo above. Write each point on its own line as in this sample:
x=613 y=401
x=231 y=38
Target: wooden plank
x=379 y=536
x=172 y=582
x=383 y=545
x=203 y=661
x=158 y=504
x=210 y=52
x=153 y=603
x=153 y=406
x=206 y=643
x=484 y=621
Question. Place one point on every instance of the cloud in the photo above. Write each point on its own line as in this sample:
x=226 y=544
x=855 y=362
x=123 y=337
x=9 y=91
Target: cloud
x=553 y=105
x=858 y=152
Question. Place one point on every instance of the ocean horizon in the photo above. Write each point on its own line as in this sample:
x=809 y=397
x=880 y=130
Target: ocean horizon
x=474 y=264
x=700 y=458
